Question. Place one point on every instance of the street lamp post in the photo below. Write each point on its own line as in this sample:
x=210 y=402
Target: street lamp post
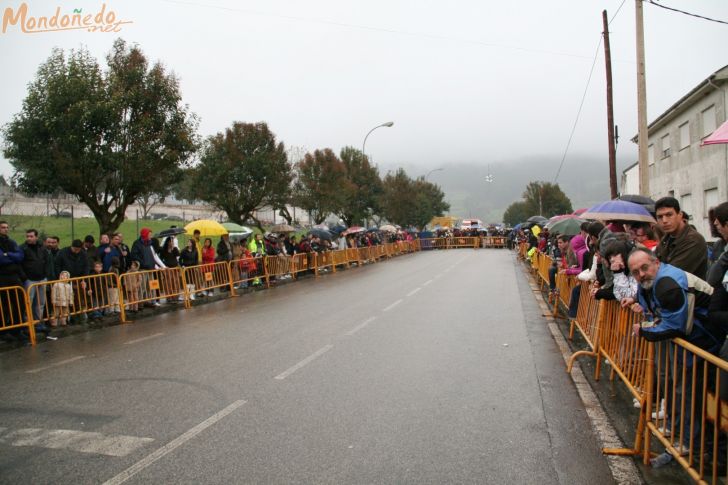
x=388 y=124
x=433 y=170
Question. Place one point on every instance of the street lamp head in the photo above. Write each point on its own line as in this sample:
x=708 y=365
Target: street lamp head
x=388 y=124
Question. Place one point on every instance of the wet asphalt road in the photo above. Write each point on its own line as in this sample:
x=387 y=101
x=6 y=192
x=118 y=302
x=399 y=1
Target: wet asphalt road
x=434 y=368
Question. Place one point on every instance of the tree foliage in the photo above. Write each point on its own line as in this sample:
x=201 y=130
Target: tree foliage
x=410 y=202
x=104 y=136
x=243 y=170
x=321 y=186
x=364 y=188
x=517 y=212
x=539 y=198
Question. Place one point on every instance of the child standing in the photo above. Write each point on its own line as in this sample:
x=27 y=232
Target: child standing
x=132 y=285
x=62 y=299
x=113 y=284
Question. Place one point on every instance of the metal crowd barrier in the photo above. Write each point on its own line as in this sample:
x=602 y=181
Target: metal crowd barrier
x=340 y=258
x=15 y=313
x=589 y=320
x=93 y=295
x=203 y=279
x=248 y=271
x=138 y=288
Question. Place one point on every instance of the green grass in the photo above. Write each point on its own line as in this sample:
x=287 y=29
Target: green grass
x=61 y=227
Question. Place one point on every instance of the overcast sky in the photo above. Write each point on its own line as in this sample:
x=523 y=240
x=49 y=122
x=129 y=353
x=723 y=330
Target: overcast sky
x=468 y=81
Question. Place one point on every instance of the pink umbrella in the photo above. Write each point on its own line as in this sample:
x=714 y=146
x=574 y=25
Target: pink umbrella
x=578 y=212
x=718 y=136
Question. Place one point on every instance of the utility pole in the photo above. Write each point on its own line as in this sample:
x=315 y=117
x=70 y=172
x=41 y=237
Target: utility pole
x=610 y=111
x=644 y=168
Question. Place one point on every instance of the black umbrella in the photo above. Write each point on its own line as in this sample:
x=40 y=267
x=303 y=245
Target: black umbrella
x=540 y=220
x=338 y=229
x=321 y=233
x=172 y=231
x=642 y=200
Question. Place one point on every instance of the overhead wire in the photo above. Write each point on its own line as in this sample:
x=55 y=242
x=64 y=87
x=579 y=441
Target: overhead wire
x=653 y=2
x=583 y=98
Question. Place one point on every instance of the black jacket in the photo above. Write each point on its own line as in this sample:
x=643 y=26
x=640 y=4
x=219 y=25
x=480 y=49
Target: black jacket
x=75 y=264
x=11 y=257
x=35 y=261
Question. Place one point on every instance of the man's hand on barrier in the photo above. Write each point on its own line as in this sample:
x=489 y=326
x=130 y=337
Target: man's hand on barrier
x=625 y=302
x=636 y=329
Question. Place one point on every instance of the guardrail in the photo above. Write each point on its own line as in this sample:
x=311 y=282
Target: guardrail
x=682 y=390
x=15 y=312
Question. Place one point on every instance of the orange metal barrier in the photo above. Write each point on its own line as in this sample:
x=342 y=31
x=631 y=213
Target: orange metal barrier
x=248 y=271
x=204 y=278
x=301 y=262
x=324 y=259
x=432 y=243
x=93 y=294
x=147 y=287
x=276 y=266
x=15 y=312
x=589 y=320
x=354 y=256
x=463 y=242
x=494 y=242
x=340 y=258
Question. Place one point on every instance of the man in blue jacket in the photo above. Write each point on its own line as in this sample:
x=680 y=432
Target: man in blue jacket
x=11 y=274
x=675 y=304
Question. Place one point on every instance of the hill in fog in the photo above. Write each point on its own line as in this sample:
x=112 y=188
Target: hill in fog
x=584 y=179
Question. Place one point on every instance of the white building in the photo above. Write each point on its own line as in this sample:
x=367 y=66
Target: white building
x=695 y=175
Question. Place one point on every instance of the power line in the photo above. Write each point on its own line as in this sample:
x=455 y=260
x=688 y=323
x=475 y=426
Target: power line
x=617 y=12
x=581 y=105
x=653 y=2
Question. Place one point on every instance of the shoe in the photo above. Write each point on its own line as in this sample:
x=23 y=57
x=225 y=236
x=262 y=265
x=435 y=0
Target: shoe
x=636 y=403
x=156 y=303
x=658 y=415
x=665 y=431
x=192 y=296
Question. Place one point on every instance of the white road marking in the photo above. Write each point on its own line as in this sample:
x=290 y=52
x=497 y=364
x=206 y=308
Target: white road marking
x=144 y=338
x=67 y=361
x=172 y=445
x=68 y=439
x=360 y=326
x=392 y=305
x=427 y=282
x=304 y=362
x=414 y=291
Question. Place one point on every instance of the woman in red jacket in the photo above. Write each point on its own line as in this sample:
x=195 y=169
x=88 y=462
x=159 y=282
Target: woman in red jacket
x=208 y=259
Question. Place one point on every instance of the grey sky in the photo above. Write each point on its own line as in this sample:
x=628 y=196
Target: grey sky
x=468 y=81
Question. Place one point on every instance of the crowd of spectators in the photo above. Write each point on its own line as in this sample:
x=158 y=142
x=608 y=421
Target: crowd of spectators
x=664 y=271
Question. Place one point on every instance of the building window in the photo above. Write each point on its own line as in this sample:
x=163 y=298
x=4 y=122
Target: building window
x=686 y=204
x=684 y=135
x=651 y=154
x=665 y=146
x=710 y=200
x=708 y=121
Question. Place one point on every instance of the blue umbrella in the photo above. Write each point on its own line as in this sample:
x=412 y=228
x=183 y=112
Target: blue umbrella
x=618 y=210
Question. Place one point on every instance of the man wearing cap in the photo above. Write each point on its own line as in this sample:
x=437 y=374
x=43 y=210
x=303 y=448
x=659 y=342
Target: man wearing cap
x=142 y=250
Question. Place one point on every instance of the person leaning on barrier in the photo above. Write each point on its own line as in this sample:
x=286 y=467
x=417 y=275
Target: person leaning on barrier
x=224 y=249
x=677 y=303
x=74 y=260
x=681 y=246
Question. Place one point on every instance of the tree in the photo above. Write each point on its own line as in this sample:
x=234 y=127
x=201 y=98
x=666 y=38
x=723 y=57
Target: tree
x=321 y=186
x=517 y=212
x=243 y=170
x=147 y=200
x=546 y=199
x=104 y=137
x=410 y=202
x=364 y=187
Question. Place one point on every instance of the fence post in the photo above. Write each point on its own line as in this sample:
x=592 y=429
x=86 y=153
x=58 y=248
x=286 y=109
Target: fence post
x=122 y=309
x=29 y=314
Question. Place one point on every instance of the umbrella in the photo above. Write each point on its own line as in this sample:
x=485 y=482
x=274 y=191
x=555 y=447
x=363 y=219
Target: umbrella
x=321 y=233
x=569 y=226
x=618 y=210
x=540 y=220
x=233 y=227
x=172 y=231
x=353 y=230
x=578 y=212
x=555 y=219
x=206 y=227
x=338 y=229
x=320 y=226
x=282 y=228
x=373 y=229
x=718 y=136
x=388 y=228
x=642 y=200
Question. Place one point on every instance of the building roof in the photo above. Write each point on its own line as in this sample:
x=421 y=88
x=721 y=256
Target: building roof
x=630 y=167
x=706 y=86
